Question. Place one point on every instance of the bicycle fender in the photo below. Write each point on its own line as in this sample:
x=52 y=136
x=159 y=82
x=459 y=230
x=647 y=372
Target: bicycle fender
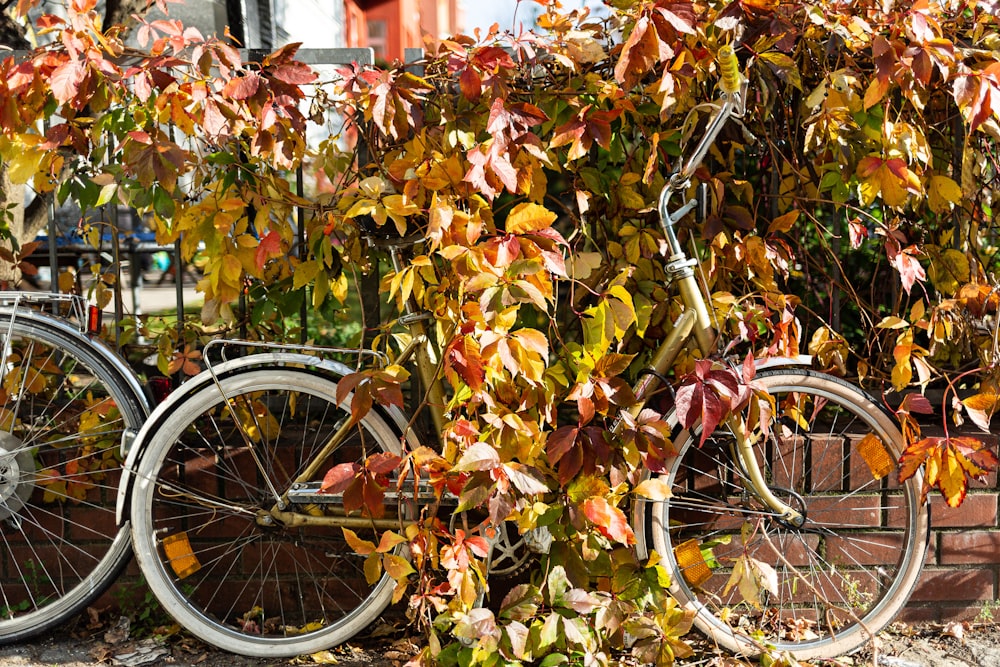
x=784 y=362
x=333 y=369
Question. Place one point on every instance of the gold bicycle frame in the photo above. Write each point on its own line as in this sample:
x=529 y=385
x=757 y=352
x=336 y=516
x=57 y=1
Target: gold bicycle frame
x=694 y=323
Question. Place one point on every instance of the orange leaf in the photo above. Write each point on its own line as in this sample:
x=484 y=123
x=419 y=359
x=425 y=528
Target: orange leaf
x=608 y=519
x=639 y=54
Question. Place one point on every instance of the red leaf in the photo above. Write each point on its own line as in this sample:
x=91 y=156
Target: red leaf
x=383 y=463
x=471 y=84
x=707 y=396
x=560 y=443
x=242 y=87
x=339 y=477
x=269 y=246
x=67 y=79
x=293 y=73
x=639 y=54
x=608 y=519
x=463 y=359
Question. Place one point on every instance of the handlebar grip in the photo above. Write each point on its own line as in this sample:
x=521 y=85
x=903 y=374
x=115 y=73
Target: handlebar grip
x=730 y=69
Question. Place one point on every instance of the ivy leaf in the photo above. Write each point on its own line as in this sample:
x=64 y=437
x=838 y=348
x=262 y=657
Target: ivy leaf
x=948 y=464
x=480 y=456
x=706 y=395
x=943 y=193
x=609 y=520
x=753 y=578
x=339 y=477
x=464 y=361
x=639 y=53
x=529 y=217
x=980 y=408
x=269 y=246
x=66 y=81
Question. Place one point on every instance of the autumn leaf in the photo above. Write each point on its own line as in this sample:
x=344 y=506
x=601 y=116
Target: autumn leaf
x=980 y=408
x=269 y=247
x=706 y=396
x=529 y=217
x=609 y=520
x=943 y=193
x=752 y=578
x=639 y=54
x=889 y=179
x=948 y=464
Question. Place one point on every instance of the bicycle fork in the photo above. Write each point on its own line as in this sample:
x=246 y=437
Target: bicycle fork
x=692 y=322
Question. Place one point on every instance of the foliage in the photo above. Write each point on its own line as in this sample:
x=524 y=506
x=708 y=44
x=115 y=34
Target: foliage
x=530 y=166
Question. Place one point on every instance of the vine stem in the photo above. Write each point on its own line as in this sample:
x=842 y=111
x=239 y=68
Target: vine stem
x=951 y=388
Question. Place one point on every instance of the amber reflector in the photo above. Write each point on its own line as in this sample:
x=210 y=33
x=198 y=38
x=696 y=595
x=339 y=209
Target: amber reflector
x=182 y=558
x=876 y=456
x=692 y=564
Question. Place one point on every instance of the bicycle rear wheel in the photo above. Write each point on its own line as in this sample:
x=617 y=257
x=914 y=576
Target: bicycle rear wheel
x=204 y=486
x=815 y=590
x=65 y=401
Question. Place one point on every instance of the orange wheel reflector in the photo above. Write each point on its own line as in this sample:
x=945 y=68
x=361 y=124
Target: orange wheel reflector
x=876 y=456
x=692 y=564
x=182 y=559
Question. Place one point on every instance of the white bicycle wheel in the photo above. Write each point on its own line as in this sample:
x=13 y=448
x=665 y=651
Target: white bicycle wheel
x=203 y=486
x=817 y=590
x=65 y=401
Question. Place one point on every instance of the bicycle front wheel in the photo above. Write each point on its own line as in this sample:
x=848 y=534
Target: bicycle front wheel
x=816 y=590
x=213 y=554
x=65 y=401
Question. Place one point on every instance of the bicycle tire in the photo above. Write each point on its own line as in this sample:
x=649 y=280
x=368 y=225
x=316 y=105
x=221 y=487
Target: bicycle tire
x=843 y=575
x=65 y=401
x=256 y=590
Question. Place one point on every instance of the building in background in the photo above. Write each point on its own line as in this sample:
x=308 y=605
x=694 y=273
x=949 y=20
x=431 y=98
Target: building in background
x=389 y=27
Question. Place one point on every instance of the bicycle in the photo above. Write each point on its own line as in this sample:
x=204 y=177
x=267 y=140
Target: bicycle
x=242 y=549
x=67 y=403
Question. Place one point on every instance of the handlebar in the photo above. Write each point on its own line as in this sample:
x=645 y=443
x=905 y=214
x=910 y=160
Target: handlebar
x=733 y=92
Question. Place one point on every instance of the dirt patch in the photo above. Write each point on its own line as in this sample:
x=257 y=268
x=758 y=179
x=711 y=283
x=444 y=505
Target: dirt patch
x=953 y=645
x=934 y=645
x=82 y=646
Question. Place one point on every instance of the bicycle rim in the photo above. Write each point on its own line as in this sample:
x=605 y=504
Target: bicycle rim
x=818 y=590
x=63 y=409
x=202 y=485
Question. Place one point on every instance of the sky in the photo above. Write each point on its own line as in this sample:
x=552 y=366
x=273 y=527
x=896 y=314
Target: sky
x=483 y=13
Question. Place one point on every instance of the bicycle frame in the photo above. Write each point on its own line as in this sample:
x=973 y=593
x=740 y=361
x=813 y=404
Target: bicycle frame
x=695 y=323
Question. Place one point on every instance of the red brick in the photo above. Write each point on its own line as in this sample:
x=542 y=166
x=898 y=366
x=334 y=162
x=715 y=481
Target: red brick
x=915 y=614
x=969 y=547
x=978 y=510
x=846 y=510
x=864 y=548
x=827 y=467
x=962 y=586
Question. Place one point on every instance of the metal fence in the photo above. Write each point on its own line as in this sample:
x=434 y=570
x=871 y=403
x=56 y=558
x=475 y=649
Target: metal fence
x=125 y=248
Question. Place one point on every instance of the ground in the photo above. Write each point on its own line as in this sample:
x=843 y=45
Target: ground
x=955 y=645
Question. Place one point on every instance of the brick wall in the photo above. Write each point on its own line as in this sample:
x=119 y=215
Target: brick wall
x=961 y=575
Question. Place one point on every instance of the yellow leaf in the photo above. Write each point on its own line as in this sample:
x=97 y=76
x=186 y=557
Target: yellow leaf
x=527 y=218
x=305 y=273
x=654 y=489
x=373 y=568
x=783 y=223
x=943 y=193
x=24 y=162
x=948 y=271
x=397 y=567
